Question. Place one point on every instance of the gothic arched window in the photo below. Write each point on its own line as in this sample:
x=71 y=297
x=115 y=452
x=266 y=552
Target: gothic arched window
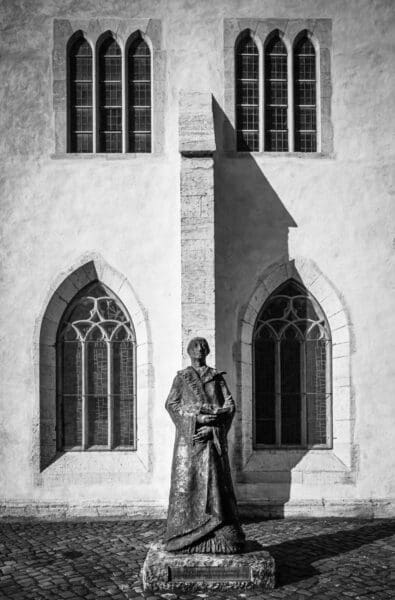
x=292 y=371
x=247 y=94
x=110 y=96
x=96 y=374
x=276 y=95
x=81 y=97
x=305 y=95
x=139 y=95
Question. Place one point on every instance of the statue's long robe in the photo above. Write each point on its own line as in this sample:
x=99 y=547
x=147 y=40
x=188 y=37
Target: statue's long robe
x=201 y=494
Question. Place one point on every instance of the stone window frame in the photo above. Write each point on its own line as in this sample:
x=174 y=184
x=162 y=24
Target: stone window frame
x=320 y=33
x=123 y=31
x=50 y=465
x=339 y=458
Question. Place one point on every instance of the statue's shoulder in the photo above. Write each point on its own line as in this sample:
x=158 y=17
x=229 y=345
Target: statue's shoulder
x=189 y=374
x=212 y=374
x=217 y=372
x=183 y=372
x=186 y=374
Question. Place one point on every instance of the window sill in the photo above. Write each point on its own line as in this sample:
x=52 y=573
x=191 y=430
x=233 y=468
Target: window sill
x=104 y=156
x=303 y=155
x=259 y=448
x=98 y=449
x=90 y=467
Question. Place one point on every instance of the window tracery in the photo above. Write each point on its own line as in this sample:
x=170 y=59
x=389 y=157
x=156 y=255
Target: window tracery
x=96 y=374
x=292 y=371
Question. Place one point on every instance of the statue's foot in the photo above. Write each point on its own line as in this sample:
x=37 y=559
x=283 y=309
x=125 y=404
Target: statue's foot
x=227 y=539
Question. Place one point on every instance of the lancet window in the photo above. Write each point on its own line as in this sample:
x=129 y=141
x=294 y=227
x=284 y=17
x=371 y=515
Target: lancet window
x=283 y=116
x=247 y=94
x=276 y=95
x=96 y=357
x=139 y=90
x=305 y=96
x=81 y=96
x=292 y=371
x=109 y=95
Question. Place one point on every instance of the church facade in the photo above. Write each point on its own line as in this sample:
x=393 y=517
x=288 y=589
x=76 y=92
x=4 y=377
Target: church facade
x=172 y=170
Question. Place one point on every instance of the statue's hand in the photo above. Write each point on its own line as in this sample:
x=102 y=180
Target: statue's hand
x=203 y=434
x=206 y=419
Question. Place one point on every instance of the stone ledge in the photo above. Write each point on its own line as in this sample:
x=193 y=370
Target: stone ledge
x=168 y=571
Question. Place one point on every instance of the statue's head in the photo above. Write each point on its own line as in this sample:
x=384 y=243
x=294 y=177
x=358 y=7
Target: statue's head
x=198 y=348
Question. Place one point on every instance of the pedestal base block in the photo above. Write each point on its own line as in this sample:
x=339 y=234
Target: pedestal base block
x=168 y=571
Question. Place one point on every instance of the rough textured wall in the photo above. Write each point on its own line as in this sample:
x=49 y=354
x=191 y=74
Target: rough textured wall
x=336 y=210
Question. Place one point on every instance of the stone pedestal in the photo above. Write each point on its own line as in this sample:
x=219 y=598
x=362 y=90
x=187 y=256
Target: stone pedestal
x=168 y=571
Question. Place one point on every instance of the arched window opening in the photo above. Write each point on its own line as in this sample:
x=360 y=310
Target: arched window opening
x=139 y=94
x=292 y=371
x=276 y=95
x=80 y=96
x=305 y=96
x=247 y=95
x=96 y=374
x=110 y=96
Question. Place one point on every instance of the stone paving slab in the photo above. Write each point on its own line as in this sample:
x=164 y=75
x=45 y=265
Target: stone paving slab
x=323 y=559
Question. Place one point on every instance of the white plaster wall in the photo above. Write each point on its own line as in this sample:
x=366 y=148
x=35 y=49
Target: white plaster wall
x=55 y=210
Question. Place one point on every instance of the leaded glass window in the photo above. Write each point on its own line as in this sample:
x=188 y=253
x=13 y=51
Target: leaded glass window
x=139 y=93
x=96 y=374
x=276 y=95
x=305 y=96
x=292 y=371
x=110 y=96
x=247 y=95
x=80 y=94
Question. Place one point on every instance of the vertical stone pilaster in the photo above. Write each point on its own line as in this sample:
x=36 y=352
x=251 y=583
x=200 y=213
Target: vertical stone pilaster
x=197 y=220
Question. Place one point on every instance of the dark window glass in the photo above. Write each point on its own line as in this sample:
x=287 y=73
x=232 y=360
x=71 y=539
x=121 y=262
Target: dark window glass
x=139 y=94
x=265 y=388
x=123 y=392
x=305 y=96
x=72 y=388
x=291 y=381
x=110 y=96
x=276 y=95
x=316 y=375
x=96 y=379
x=80 y=97
x=290 y=353
x=247 y=95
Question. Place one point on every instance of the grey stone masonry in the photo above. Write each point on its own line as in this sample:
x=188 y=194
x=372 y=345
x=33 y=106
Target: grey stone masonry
x=197 y=145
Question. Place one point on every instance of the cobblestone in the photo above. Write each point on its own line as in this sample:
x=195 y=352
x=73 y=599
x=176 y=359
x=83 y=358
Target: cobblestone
x=322 y=559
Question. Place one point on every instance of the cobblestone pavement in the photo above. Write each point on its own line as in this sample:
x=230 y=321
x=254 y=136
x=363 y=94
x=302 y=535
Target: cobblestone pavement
x=318 y=558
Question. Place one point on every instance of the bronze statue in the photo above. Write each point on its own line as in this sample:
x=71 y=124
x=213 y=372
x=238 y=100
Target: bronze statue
x=202 y=513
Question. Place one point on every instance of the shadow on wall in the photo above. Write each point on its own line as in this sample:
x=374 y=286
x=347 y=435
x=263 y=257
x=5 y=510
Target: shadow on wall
x=251 y=233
